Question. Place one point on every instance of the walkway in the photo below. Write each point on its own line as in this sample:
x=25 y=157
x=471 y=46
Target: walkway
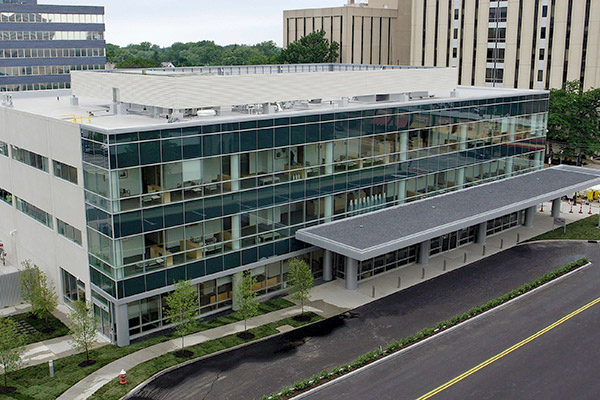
x=331 y=298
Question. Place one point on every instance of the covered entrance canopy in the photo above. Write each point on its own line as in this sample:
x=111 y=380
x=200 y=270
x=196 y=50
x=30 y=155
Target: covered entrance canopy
x=379 y=232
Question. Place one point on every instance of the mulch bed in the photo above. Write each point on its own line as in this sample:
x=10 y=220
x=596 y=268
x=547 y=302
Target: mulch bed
x=246 y=335
x=87 y=363
x=302 y=318
x=7 y=389
x=183 y=353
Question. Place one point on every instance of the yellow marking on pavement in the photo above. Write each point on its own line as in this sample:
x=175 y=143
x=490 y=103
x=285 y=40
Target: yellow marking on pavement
x=507 y=351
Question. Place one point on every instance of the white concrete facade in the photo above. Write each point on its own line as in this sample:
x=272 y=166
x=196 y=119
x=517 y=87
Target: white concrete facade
x=25 y=238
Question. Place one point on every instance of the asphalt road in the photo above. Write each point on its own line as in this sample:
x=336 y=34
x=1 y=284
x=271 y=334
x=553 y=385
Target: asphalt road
x=561 y=363
x=266 y=367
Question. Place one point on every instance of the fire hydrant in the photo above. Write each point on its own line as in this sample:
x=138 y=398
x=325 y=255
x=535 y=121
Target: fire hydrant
x=123 y=375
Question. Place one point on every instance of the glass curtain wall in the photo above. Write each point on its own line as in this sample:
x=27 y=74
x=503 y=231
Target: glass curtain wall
x=185 y=203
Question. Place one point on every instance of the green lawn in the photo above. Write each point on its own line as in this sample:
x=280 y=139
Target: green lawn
x=585 y=229
x=136 y=375
x=35 y=383
x=56 y=328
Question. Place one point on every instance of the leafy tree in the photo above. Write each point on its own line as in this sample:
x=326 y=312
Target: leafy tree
x=182 y=308
x=312 y=48
x=246 y=301
x=45 y=299
x=37 y=290
x=573 y=119
x=301 y=281
x=30 y=281
x=139 y=62
x=83 y=329
x=11 y=348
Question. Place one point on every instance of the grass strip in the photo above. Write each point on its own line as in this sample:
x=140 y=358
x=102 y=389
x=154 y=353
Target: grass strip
x=34 y=383
x=584 y=229
x=325 y=376
x=138 y=374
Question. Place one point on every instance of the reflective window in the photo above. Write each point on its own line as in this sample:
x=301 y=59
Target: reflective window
x=36 y=213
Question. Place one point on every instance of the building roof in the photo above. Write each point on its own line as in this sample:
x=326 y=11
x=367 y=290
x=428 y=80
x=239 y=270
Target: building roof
x=222 y=87
x=379 y=232
x=95 y=110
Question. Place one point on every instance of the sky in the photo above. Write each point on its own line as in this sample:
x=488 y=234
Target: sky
x=164 y=22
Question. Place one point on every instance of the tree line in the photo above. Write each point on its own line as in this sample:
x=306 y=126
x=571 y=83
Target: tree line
x=312 y=48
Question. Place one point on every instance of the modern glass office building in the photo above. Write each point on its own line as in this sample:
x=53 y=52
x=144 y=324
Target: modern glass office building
x=189 y=191
x=40 y=43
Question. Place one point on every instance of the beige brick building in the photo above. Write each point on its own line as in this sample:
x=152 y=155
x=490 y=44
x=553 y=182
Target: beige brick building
x=537 y=44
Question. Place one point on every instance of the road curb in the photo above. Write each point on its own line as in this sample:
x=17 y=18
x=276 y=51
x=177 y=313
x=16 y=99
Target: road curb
x=438 y=335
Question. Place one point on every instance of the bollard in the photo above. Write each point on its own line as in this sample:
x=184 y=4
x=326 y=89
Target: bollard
x=444 y=266
x=483 y=252
x=373 y=293
x=465 y=260
x=399 y=281
x=501 y=243
x=51 y=367
x=518 y=238
x=423 y=273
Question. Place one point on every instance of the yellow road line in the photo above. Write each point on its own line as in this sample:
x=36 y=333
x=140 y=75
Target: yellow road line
x=507 y=351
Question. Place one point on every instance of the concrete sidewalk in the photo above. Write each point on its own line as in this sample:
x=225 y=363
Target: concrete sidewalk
x=332 y=298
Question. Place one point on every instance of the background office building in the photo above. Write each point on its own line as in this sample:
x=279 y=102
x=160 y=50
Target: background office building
x=41 y=43
x=203 y=173
x=535 y=44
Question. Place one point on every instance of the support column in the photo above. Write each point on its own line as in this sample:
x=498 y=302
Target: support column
x=327 y=266
x=424 y=250
x=556 y=205
x=529 y=216
x=236 y=225
x=351 y=273
x=401 y=185
x=512 y=128
x=328 y=212
x=481 y=233
x=122 y=321
x=462 y=145
x=235 y=281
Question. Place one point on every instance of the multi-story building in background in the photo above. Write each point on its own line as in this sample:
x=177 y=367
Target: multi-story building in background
x=535 y=44
x=202 y=173
x=41 y=43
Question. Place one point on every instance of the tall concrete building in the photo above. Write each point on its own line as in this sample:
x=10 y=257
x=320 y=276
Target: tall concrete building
x=535 y=44
x=41 y=43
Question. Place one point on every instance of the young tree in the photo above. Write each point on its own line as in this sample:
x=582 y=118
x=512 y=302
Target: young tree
x=45 y=300
x=11 y=348
x=182 y=308
x=301 y=281
x=83 y=330
x=312 y=48
x=30 y=281
x=246 y=300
